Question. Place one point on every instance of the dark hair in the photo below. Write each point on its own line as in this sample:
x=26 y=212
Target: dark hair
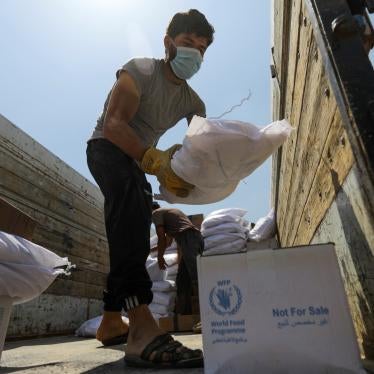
x=192 y=22
x=155 y=205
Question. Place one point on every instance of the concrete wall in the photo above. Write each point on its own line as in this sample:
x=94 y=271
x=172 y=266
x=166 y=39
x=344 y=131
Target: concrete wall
x=50 y=314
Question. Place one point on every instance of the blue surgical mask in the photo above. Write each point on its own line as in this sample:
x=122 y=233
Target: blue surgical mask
x=186 y=62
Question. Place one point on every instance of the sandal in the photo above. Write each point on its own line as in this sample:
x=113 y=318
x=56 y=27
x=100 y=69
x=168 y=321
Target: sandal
x=181 y=356
x=120 y=339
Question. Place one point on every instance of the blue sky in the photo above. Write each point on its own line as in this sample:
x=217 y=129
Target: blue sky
x=59 y=60
x=61 y=57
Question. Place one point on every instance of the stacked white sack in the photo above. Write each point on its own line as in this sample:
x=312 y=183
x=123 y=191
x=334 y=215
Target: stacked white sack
x=217 y=154
x=27 y=269
x=225 y=231
x=164 y=290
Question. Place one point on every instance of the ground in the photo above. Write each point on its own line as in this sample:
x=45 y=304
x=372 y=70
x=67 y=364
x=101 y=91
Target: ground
x=70 y=354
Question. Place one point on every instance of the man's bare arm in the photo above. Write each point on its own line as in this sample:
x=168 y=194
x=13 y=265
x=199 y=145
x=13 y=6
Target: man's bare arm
x=161 y=235
x=123 y=104
x=161 y=246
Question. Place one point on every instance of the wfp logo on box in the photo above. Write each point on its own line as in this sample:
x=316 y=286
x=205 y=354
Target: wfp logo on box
x=225 y=298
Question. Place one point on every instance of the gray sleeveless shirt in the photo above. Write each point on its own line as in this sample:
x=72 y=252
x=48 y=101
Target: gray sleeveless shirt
x=162 y=103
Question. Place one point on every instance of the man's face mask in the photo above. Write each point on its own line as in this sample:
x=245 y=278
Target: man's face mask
x=186 y=63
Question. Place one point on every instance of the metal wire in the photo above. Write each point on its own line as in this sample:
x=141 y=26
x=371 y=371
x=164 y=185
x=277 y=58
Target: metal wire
x=235 y=106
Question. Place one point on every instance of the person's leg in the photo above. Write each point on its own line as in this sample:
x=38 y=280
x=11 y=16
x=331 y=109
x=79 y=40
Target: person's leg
x=127 y=210
x=191 y=243
x=184 y=290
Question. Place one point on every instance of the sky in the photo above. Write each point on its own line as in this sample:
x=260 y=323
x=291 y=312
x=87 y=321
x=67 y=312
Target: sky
x=59 y=59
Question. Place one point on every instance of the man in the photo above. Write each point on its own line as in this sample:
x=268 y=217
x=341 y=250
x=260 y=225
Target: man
x=170 y=222
x=149 y=97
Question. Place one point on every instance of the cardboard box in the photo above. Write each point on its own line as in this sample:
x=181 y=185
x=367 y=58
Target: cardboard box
x=196 y=219
x=178 y=322
x=263 y=244
x=276 y=311
x=14 y=221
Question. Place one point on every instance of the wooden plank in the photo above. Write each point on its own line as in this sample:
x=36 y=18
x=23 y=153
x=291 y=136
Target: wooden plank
x=298 y=67
x=94 y=263
x=281 y=19
x=74 y=288
x=60 y=235
x=287 y=93
x=26 y=149
x=336 y=161
x=276 y=156
x=23 y=181
x=87 y=276
x=306 y=102
x=14 y=221
x=277 y=35
x=316 y=119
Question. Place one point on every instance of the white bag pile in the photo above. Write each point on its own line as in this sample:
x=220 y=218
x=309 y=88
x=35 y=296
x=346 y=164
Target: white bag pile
x=217 y=154
x=164 y=290
x=225 y=231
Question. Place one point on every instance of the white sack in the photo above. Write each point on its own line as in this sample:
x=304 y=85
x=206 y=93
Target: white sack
x=24 y=282
x=165 y=298
x=235 y=212
x=153 y=241
x=172 y=277
x=17 y=250
x=155 y=273
x=171 y=261
x=231 y=247
x=171 y=249
x=171 y=271
x=222 y=238
x=160 y=309
x=170 y=258
x=217 y=154
x=157 y=316
x=26 y=269
x=218 y=220
x=88 y=328
x=229 y=227
x=264 y=228
x=163 y=286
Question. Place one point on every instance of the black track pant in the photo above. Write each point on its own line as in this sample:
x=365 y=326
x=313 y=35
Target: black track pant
x=128 y=212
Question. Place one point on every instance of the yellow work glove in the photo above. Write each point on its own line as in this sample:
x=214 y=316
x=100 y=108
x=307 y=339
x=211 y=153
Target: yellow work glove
x=157 y=163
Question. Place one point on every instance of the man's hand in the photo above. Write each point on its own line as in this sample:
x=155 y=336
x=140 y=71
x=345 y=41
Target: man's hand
x=161 y=262
x=157 y=163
